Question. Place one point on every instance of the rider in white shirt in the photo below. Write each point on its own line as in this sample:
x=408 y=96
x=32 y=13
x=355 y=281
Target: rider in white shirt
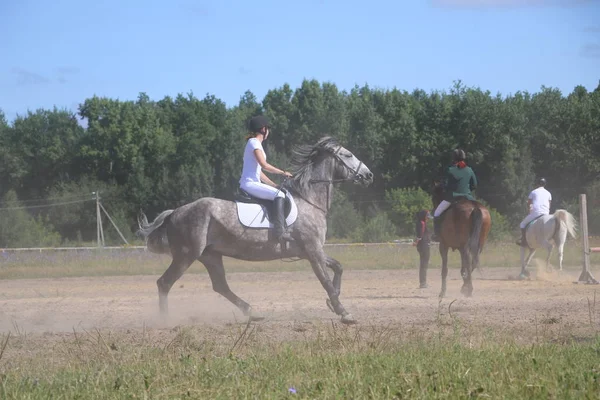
x=539 y=204
x=255 y=182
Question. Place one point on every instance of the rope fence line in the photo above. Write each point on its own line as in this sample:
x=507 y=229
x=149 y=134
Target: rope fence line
x=45 y=205
x=399 y=243
x=396 y=243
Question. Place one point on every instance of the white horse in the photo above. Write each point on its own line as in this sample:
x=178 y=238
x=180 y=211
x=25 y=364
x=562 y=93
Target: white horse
x=548 y=231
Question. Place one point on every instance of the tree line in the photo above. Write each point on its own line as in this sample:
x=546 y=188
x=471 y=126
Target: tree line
x=152 y=155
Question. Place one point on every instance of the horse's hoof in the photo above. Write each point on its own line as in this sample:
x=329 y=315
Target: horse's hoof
x=442 y=295
x=348 y=319
x=523 y=276
x=254 y=316
x=467 y=292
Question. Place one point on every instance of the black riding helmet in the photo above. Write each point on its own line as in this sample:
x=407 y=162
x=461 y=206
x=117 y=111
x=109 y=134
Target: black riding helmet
x=257 y=123
x=458 y=155
x=542 y=181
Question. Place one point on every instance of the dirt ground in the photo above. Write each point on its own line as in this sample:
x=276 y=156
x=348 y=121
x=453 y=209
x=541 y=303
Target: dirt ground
x=45 y=307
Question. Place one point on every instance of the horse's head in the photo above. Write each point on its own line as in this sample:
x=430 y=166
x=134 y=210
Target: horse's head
x=328 y=162
x=350 y=168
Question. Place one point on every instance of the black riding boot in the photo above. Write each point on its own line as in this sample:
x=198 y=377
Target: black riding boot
x=281 y=236
x=523 y=241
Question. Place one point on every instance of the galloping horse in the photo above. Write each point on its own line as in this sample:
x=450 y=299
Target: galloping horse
x=545 y=230
x=210 y=228
x=465 y=227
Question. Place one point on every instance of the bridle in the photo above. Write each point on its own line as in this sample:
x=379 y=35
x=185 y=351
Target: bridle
x=354 y=172
x=355 y=177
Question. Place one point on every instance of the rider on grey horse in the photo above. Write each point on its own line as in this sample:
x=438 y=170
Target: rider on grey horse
x=253 y=180
x=539 y=204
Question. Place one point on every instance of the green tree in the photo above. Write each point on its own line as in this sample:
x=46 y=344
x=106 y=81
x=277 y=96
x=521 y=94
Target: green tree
x=404 y=204
x=19 y=229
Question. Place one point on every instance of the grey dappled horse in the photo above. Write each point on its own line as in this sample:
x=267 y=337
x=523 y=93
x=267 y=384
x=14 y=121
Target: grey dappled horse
x=547 y=231
x=208 y=228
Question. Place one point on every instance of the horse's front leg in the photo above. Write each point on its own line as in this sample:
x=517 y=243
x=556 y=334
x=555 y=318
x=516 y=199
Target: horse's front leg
x=525 y=262
x=337 y=269
x=524 y=274
x=318 y=261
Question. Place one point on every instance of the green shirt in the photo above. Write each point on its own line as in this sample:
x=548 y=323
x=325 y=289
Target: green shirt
x=459 y=183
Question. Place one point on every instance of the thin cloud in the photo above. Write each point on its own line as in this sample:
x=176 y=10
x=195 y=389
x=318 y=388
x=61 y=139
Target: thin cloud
x=592 y=29
x=591 y=50
x=25 y=77
x=507 y=3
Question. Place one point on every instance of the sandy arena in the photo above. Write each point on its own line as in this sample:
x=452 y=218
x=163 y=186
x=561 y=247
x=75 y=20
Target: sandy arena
x=289 y=299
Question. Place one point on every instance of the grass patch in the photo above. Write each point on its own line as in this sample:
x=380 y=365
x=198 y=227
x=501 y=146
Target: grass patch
x=108 y=262
x=334 y=363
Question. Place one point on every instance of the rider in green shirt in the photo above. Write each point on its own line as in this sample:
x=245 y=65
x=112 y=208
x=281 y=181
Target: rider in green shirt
x=458 y=183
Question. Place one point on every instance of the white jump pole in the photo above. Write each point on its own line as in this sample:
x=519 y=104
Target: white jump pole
x=586 y=276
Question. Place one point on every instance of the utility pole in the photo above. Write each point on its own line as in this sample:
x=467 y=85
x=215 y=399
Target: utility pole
x=99 y=230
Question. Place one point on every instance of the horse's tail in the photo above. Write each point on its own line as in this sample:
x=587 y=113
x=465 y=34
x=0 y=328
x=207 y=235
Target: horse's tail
x=566 y=218
x=155 y=233
x=474 y=242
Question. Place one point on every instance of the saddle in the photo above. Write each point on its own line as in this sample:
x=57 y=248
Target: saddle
x=244 y=197
x=532 y=221
x=453 y=203
x=257 y=213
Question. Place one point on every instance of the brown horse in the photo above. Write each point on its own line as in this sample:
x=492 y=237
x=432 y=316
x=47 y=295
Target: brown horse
x=464 y=226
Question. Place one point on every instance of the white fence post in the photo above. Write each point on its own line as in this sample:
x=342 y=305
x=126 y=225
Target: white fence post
x=586 y=276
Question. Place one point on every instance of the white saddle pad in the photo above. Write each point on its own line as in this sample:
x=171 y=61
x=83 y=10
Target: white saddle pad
x=255 y=215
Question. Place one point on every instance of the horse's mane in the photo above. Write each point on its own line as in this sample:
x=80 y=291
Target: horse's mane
x=302 y=162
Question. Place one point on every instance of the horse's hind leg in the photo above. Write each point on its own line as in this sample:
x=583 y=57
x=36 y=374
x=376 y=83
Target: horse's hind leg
x=562 y=238
x=216 y=271
x=549 y=248
x=184 y=254
x=444 y=255
x=465 y=271
x=560 y=256
x=177 y=268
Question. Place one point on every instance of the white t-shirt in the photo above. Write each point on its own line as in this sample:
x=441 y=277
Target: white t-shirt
x=540 y=201
x=251 y=169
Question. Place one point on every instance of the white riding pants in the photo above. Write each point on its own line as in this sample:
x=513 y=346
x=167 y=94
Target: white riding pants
x=443 y=206
x=261 y=190
x=529 y=218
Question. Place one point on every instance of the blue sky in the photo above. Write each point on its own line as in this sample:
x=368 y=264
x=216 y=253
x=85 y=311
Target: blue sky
x=60 y=53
